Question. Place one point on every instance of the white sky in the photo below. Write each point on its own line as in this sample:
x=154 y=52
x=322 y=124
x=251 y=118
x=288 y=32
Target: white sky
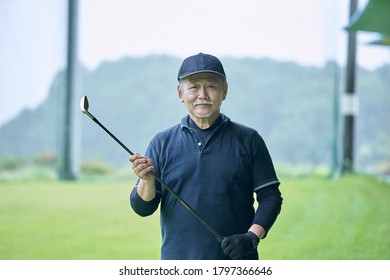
x=32 y=36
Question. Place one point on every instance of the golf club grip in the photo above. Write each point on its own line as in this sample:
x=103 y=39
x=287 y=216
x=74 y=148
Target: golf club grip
x=189 y=208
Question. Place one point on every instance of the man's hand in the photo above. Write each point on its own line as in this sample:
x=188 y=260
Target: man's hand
x=239 y=245
x=142 y=167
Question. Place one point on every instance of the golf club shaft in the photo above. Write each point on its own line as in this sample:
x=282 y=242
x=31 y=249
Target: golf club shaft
x=112 y=135
x=189 y=208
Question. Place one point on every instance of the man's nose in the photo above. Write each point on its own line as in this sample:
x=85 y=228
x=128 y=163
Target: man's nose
x=203 y=93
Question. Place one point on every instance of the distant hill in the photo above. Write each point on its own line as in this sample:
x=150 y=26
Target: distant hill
x=289 y=104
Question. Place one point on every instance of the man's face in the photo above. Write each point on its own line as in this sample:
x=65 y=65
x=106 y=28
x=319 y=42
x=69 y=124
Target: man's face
x=203 y=94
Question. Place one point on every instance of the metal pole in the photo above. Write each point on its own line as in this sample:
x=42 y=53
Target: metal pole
x=68 y=169
x=336 y=121
x=349 y=100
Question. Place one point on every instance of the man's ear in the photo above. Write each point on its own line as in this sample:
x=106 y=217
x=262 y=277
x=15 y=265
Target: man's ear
x=179 y=93
x=225 y=92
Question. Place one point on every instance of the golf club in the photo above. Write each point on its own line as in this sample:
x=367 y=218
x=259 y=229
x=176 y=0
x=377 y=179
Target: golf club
x=84 y=105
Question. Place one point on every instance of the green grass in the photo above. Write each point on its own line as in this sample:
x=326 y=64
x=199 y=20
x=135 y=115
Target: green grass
x=346 y=219
x=87 y=220
x=91 y=219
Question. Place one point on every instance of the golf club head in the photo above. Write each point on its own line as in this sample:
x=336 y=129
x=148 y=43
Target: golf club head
x=84 y=105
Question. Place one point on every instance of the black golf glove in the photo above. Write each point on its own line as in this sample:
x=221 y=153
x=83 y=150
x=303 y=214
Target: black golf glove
x=239 y=245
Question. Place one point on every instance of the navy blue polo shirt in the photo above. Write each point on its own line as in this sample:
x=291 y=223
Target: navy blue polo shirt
x=217 y=178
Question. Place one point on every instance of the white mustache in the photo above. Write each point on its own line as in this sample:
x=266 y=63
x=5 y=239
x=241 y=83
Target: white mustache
x=204 y=103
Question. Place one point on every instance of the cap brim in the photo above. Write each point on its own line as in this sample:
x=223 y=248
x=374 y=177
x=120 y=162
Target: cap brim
x=201 y=71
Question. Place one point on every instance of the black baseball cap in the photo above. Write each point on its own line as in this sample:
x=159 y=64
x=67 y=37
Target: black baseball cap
x=200 y=63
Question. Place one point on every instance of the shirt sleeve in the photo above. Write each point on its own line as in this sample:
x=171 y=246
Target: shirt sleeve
x=266 y=185
x=270 y=204
x=263 y=172
x=142 y=207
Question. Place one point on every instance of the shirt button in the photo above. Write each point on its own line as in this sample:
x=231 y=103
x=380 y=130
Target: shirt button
x=199 y=144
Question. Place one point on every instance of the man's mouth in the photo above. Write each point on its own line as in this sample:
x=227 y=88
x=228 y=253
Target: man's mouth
x=203 y=103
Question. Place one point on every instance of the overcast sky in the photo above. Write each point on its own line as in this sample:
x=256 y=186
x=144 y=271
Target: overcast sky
x=33 y=46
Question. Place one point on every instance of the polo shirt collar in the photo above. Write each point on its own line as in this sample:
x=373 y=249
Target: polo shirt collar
x=184 y=121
